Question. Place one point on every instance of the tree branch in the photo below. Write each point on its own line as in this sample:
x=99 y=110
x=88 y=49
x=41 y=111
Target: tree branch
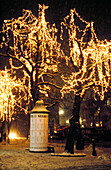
x=11 y=56
x=48 y=83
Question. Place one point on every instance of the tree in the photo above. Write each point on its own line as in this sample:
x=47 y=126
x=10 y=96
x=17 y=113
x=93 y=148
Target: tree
x=90 y=57
x=12 y=93
x=32 y=45
x=91 y=62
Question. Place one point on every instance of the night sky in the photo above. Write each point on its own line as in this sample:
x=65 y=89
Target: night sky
x=98 y=11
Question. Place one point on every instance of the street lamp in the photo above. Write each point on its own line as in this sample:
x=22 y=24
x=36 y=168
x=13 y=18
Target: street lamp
x=67 y=121
x=61 y=112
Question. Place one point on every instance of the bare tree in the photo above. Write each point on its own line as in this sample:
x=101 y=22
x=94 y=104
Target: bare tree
x=31 y=44
x=90 y=57
x=10 y=95
x=37 y=57
x=90 y=60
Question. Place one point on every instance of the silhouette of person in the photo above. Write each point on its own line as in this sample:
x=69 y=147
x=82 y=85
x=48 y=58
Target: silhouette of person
x=69 y=148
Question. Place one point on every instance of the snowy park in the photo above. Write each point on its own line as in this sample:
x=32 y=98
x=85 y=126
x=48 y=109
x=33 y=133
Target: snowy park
x=16 y=155
x=55 y=85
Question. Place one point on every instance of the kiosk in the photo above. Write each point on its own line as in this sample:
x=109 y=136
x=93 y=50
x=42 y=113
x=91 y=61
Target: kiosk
x=39 y=128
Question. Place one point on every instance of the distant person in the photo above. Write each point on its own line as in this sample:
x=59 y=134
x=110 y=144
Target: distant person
x=69 y=148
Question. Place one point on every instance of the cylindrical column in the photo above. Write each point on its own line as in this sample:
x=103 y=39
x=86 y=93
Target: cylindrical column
x=39 y=128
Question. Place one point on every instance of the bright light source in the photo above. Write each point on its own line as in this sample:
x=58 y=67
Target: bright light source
x=80 y=120
x=97 y=124
x=61 y=112
x=91 y=124
x=67 y=121
x=12 y=135
x=101 y=123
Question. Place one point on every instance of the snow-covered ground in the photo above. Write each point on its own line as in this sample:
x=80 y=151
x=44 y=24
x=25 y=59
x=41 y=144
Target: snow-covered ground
x=16 y=156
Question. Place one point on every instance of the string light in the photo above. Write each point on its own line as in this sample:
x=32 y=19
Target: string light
x=10 y=89
x=34 y=45
x=95 y=68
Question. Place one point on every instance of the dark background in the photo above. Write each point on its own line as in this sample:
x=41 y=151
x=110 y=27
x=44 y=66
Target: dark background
x=98 y=11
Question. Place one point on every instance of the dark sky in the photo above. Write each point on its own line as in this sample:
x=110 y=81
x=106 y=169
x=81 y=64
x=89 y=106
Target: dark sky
x=98 y=11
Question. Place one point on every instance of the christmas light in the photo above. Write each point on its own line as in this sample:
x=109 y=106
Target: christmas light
x=33 y=42
x=10 y=94
x=91 y=58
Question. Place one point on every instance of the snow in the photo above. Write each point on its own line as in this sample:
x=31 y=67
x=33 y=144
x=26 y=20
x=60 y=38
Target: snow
x=16 y=156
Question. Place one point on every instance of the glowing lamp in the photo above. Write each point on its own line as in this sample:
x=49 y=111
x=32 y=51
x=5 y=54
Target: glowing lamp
x=67 y=121
x=61 y=112
x=12 y=135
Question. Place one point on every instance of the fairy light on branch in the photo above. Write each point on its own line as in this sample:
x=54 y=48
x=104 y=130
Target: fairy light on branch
x=9 y=91
x=34 y=45
x=95 y=68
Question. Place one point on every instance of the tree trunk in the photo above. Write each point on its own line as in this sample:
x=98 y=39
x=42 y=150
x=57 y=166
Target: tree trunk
x=74 y=130
x=76 y=107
